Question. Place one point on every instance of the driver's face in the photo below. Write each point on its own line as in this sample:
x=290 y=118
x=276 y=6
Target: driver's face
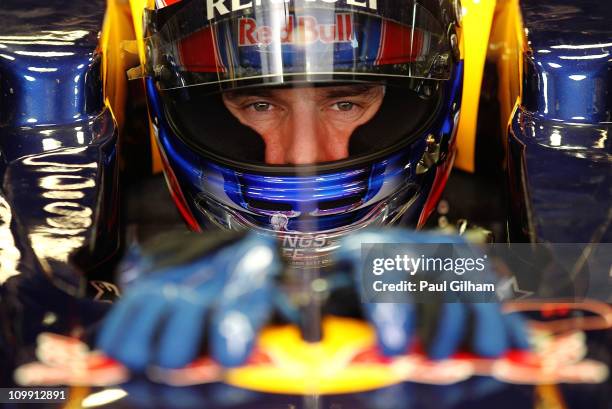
x=305 y=125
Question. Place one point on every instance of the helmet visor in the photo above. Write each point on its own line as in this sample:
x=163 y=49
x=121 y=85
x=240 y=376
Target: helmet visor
x=236 y=43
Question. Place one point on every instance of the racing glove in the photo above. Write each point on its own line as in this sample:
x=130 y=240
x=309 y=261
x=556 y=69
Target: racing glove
x=443 y=328
x=186 y=286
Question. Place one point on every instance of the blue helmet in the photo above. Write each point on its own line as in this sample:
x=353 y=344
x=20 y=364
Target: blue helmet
x=394 y=166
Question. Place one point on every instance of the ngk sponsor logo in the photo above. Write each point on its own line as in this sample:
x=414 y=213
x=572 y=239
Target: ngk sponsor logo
x=303 y=30
x=296 y=247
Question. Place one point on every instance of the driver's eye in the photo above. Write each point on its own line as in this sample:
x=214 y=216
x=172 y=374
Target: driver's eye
x=261 y=106
x=344 y=105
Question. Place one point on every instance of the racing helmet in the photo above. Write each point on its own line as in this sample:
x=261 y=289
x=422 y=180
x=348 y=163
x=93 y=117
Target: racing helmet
x=395 y=165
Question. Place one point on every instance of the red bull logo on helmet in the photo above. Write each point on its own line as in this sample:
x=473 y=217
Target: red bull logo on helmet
x=303 y=30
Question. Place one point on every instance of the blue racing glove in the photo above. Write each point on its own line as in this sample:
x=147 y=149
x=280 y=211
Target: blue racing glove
x=443 y=328
x=191 y=287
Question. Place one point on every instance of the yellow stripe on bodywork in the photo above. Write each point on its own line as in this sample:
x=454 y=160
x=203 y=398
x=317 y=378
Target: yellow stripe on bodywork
x=507 y=46
x=476 y=27
x=138 y=7
x=122 y=29
x=117 y=28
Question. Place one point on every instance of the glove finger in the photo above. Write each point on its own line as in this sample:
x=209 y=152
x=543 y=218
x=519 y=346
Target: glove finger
x=394 y=325
x=451 y=330
x=117 y=321
x=246 y=302
x=516 y=328
x=236 y=324
x=133 y=347
x=180 y=340
x=490 y=338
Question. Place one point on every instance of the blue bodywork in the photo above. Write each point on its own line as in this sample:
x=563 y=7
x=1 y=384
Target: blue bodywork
x=58 y=140
x=560 y=154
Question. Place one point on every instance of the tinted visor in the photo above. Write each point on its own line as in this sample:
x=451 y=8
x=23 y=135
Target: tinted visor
x=203 y=121
x=237 y=43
